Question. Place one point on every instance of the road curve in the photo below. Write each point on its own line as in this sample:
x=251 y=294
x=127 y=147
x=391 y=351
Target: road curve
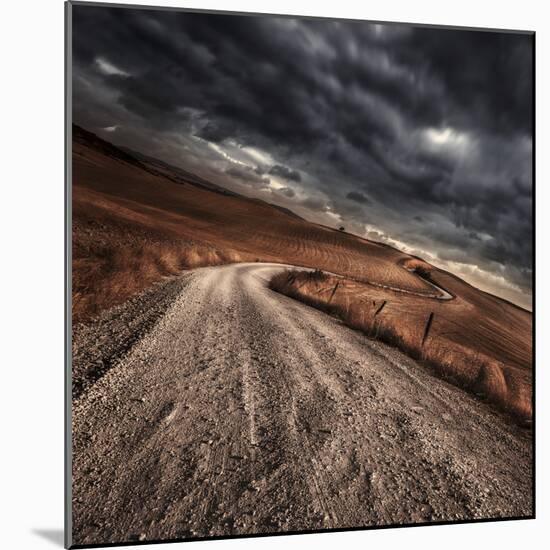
x=243 y=411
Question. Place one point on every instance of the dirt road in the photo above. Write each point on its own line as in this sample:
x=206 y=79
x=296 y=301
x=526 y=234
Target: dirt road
x=238 y=410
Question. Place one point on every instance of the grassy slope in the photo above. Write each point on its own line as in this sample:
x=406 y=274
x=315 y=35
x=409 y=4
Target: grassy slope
x=133 y=225
x=475 y=341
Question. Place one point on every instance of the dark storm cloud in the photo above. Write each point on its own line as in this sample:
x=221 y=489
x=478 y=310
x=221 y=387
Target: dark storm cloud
x=316 y=204
x=287 y=191
x=358 y=197
x=431 y=128
x=488 y=74
x=285 y=172
x=280 y=171
x=247 y=175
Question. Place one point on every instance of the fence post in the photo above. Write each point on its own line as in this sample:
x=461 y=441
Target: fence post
x=427 y=328
x=380 y=308
x=333 y=291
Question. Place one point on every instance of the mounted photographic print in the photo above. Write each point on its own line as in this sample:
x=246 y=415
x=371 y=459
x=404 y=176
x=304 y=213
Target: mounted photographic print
x=299 y=274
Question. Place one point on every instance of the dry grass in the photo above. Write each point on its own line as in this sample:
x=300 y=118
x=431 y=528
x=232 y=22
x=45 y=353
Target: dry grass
x=112 y=262
x=502 y=384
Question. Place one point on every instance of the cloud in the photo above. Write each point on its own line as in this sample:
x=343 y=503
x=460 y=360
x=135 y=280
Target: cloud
x=211 y=132
x=247 y=175
x=316 y=204
x=108 y=68
x=357 y=196
x=285 y=172
x=287 y=191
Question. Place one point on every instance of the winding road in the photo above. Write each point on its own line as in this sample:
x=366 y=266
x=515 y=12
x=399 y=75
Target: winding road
x=240 y=410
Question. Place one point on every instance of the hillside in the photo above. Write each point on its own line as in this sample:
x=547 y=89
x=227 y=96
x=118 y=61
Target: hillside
x=137 y=220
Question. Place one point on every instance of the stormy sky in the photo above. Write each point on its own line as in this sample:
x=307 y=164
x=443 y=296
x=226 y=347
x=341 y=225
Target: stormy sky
x=415 y=136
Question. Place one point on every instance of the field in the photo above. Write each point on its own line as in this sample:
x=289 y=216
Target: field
x=135 y=223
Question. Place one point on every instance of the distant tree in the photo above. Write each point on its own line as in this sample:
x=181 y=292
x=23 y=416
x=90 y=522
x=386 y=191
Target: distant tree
x=341 y=228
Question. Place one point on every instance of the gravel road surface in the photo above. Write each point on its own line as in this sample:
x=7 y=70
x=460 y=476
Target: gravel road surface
x=226 y=408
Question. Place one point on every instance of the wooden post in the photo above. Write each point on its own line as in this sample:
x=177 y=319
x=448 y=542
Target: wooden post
x=427 y=328
x=380 y=308
x=333 y=291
